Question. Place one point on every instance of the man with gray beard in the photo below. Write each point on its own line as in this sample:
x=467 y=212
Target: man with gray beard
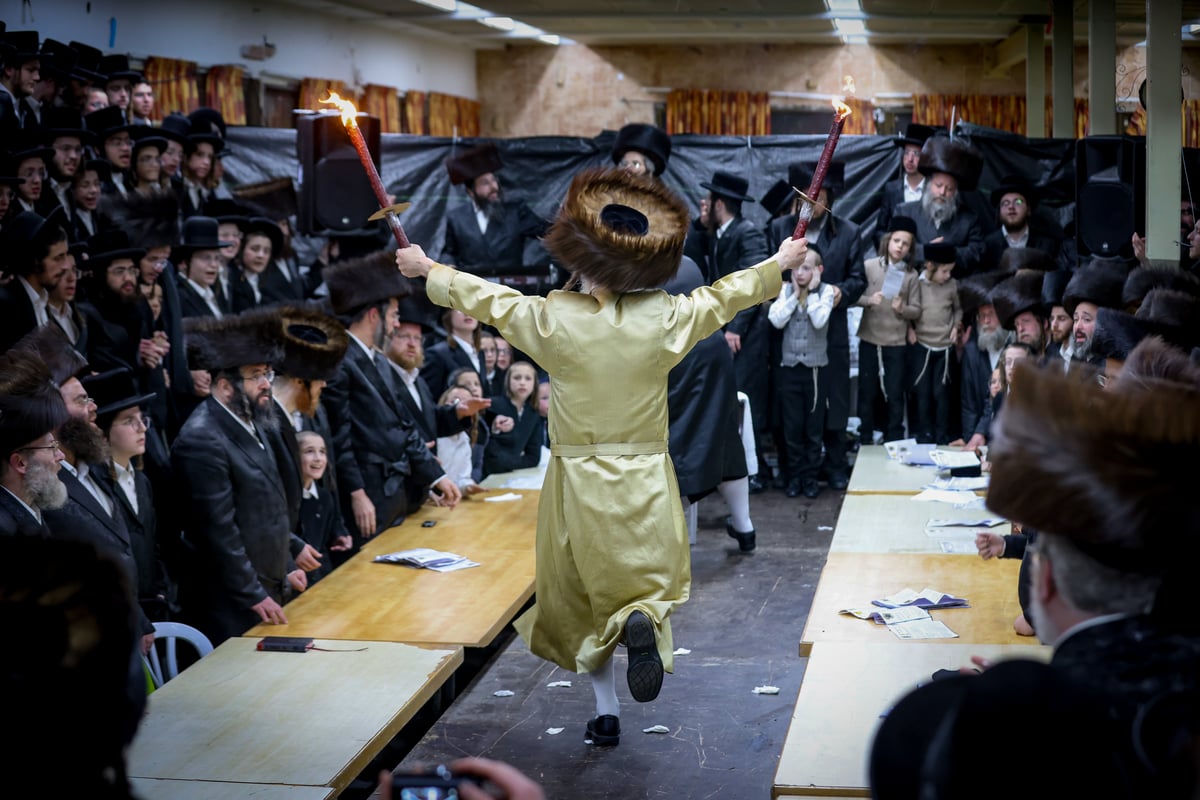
x=30 y=410
x=949 y=167
x=984 y=342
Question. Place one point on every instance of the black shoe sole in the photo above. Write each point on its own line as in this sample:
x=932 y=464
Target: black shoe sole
x=746 y=541
x=645 y=674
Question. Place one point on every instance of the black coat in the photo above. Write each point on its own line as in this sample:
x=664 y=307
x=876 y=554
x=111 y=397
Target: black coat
x=516 y=449
x=275 y=287
x=16 y=314
x=320 y=524
x=893 y=195
x=81 y=328
x=15 y=520
x=976 y=375
x=286 y=450
x=236 y=522
x=432 y=420
x=142 y=525
x=994 y=245
x=441 y=360
x=376 y=445
x=964 y=232
x=502 y=246
x=191 y=304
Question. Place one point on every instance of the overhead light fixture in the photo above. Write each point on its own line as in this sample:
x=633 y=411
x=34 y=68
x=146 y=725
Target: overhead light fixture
x=499 y=23
x=440 y=5
x=549 y=38
x=842 y=6
x=850 y=27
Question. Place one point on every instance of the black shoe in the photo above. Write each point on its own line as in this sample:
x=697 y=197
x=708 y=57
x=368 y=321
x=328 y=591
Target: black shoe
x=838 y=481
x=645 y=673
x=756 y=485
x=793 y=488
x=603 y=731
x=746 y=541
x=811 y=488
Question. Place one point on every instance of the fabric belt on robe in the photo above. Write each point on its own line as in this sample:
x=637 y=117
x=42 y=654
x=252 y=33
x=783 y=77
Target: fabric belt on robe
x=394 y=473
x=608 y=449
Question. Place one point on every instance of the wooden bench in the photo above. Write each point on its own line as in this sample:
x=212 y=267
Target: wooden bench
x=881 y=523
x=155 y=789
x=312 y=719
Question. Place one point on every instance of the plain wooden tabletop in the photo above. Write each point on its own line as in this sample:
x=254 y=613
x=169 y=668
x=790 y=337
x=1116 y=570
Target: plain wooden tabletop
x=306 y=719
x=875 y=473
x=882 y=523
x=847 y=687
x=372 y=601
x=853 y=580
x=155 y=789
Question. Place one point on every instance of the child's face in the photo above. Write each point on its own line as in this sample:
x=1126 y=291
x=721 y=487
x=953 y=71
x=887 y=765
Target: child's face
x=470 y=382
x=804 y=273
x=544 y=398
x=899 y=245
x=941 y=273
x=521 y=381
x=312 y=457
x=994 y=383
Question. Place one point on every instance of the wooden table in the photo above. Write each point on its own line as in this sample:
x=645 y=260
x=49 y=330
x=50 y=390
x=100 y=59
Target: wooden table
x=368 y=601
x=154 y=789
x=853 y=580
x=292 y=719
x=847 y=686
x=875 y=473
x=881 y=523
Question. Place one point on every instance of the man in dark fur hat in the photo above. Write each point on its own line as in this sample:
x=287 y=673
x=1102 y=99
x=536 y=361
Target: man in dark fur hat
x=1018 y=304
x=31 y=410
x=950 y=169
x=488 y=231
x=985 y=340
x=241 y=571
x=384 y=469
x=1095 y=285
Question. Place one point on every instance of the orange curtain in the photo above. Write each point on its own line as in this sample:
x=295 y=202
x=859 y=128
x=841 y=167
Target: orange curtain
x=415 y=119
x=1082 y=117
x=176 y=87
x=862 y=117
x=450 y=115
x=718 y=113
x=225 y=90
x=1191 y=123
x=1004 y=112
x=382 y=102
x=313 y=89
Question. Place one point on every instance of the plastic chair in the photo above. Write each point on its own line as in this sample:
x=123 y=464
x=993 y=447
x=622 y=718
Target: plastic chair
x=168 y=633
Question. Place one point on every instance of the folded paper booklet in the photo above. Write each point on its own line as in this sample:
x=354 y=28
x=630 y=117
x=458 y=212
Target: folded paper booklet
x=926 y=598
x=922 y=629
x=919 y=455
x=958 y=484
x=425 y=558
x=954 y=459
x=897 y=449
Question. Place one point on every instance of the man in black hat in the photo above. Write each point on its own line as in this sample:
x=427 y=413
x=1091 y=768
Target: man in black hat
x=910 y=185
x=115 y=138
x=1015 y=200
x=117 y=315
x=31 y=155
x=119 y=79
x=31 y=410
x=384 y=468
x=735 y=243
x=236 y=524
x=950 y=168
x=175 y=128
x=489 y=231
x=275 y=199
x=19 y=76
x=1061 y=343
x=66 y=133
x=200 y=264
x=1018 y=303
x=1095 y=285
x=141 y=103
x=37 y=253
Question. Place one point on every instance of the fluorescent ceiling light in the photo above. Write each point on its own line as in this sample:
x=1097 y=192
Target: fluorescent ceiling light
x=850 y=27
x=441 y=5
x=499 y=23
x=549 y=38
x=843 y=5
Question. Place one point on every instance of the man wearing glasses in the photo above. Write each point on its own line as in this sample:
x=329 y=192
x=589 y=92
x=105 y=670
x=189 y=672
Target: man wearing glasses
x=66 y=133
x=30 y=410
x=1014 y=200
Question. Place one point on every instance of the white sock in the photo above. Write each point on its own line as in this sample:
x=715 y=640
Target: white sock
x=691 y=514
x=737 y=497
x=604 y=684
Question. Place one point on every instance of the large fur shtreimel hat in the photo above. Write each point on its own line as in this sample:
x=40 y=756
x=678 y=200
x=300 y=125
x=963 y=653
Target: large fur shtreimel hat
x=623 y=231
x=647 y=139
x=229 y=342
x=941 y=154
x=313 y=343
x=470 y=164
x=49 y=345
x=1100 y=282
x=149 y=220
x=975 y=291
x=364 y=281
x=1142 y=280
x=1019 y=293
x=30 y=404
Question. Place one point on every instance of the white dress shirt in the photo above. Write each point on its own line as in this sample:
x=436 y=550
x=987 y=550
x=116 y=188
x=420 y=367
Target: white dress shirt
x=128 y=483
x=208 y=296
x=64 y=320
x=409 y=376
x=481 y=218
x=911 y=194
x=469 y=349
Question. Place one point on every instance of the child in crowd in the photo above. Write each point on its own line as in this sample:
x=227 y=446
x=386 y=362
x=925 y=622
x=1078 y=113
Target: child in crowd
x=466 y=378
x=802 y=312
x=935 y=331
x=320 y=523
x=456 y=452
x=890 y=304
x=543 y=407
x=521 y=445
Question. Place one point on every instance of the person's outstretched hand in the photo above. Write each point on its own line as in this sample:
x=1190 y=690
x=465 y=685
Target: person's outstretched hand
x=412 y=261
x=791 y=253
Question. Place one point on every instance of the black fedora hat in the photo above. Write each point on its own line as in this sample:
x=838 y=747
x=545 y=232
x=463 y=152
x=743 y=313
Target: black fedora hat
x=207 y=122
x=800 y=175
x=25 y=231
x=114 y=391
x=916 y=134
x=226 y=210
x=116 y=68
x=106 y=122
x=145 y=136
x=199 y=233
x=778 y=198
x=87 y=62
x=416 y=309
x=268 y=228
x=648 y=139
x=109 y=245
x=19 y=47
x=98 y=165
x=8 y=171
x=65 y=121
x=30 y=143
x=470 y=164
x=1015 y=184
x=58 y=61
x=725 y=184
x=176 y=127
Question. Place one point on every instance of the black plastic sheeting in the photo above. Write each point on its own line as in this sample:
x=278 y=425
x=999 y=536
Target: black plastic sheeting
x=539 y=169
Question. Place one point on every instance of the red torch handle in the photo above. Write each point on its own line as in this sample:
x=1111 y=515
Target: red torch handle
x=364 y=155
x=814 y=188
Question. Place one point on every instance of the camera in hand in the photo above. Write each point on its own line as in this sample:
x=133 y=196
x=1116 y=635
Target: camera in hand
x=436 y=784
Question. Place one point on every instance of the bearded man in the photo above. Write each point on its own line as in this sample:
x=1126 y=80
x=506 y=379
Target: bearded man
x=950 y=168
x=30 y=411
x=984 y=342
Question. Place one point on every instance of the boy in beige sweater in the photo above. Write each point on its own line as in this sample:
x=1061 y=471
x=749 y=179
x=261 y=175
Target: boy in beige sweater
x=935 y=331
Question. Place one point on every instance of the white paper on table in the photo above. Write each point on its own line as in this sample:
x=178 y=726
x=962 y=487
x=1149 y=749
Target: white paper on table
x=951 y=459
x=973 y=522
x=503 y=498
x=900 y=598
x=896 y=449
x=956 y=499
x=861 y=613
x=922 y=629
x=959 y=484
x=893 y=616
x=455 y=567
x=964 y=547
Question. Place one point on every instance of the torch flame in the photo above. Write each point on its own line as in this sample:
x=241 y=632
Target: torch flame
x=349 y=112
x=840 y=109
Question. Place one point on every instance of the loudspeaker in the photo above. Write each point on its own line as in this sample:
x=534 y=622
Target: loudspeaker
x=1110 y=193
x=335 y=193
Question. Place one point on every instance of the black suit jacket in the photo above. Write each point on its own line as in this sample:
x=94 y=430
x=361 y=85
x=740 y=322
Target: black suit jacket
x=16 y=521
x=741 y=245
x=236 y=521
x=519 y=448
x=191 y=304
x=502 y=246
x=994 y=245
x=441 y=360
x=964 y=232
x=275 y=287
x=142 y=525
x=432 y=420
x=286 y=450
x=376 y=445
x=16 y=314
x=893 y=195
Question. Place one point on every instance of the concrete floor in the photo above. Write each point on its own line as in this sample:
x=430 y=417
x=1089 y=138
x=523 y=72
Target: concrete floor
x=742 y=624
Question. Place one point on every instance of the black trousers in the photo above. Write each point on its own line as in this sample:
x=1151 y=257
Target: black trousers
x=803 y=393
x=838 y=409
x=933 y=397
x=876 y=391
